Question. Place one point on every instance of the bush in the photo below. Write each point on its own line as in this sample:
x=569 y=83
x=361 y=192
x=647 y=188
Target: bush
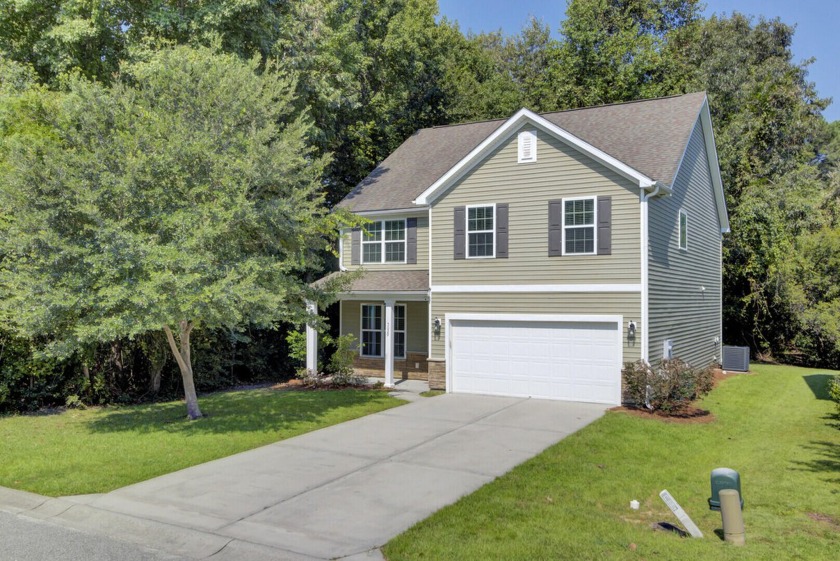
x=834 y=391
x=669 y=387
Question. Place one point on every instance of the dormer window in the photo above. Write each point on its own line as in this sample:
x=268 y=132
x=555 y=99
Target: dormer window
x=527 y=146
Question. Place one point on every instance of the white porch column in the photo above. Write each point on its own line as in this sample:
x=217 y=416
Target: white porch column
x=389 y=343
x=311 y=340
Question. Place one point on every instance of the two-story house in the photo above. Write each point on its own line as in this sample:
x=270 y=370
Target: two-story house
x=533 y=256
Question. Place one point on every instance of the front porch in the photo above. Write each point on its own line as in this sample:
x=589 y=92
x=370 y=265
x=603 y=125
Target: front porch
x=387 y=312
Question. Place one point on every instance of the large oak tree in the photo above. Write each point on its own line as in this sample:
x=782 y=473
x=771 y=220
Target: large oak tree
x=184 y=194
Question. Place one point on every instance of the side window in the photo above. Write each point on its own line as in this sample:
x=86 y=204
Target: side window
x=384 y=242
x=579 y=226
x=683 y=230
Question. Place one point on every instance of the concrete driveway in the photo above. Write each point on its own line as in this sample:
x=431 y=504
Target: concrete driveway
x=338 y=492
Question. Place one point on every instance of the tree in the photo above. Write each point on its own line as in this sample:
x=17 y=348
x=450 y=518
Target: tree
x=183 y=195
x=621 y=50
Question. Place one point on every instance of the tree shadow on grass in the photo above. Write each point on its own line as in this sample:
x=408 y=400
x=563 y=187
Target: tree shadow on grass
x=827 y=460
x=819 y=385
x=245 y=411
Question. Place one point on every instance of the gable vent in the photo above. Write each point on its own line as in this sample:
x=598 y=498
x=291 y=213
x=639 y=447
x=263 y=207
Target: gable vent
x=527 y=146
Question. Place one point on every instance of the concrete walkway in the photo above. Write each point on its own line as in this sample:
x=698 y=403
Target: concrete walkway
x=340 y=492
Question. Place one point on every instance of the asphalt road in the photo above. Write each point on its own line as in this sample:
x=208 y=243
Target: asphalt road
x=27 y=539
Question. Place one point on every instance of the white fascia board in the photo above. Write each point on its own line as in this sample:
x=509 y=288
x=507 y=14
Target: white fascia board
x=517 y=288
x=504 y=132
x=714 y=166
x=372 y=296
x=413 y=211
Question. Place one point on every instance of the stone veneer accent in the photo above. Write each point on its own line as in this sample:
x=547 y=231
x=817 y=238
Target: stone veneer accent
x=437 y=374
x=367 y=366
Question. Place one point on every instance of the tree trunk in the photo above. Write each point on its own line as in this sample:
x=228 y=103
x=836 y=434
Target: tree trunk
x=182 y=357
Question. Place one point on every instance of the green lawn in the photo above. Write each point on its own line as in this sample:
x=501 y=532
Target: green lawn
x=101 y=449
x=776 y=427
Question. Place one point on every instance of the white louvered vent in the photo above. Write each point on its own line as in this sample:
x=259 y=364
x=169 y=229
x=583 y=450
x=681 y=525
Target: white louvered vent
x=527 y=146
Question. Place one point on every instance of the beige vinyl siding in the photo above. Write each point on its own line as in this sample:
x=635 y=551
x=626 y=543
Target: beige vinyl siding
x=560 y=171
x=422 y=247
x=679 y=310
x=627 y=305
x=417 y=320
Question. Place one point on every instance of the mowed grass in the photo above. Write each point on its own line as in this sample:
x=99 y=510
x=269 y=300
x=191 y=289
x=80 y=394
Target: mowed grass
x=101 y=449
x=776 y=427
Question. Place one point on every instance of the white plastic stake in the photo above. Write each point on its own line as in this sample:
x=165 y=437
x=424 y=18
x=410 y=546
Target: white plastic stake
x=681 y=514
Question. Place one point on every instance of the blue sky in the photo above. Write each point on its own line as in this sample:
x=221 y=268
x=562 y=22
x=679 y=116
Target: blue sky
x=817 y=32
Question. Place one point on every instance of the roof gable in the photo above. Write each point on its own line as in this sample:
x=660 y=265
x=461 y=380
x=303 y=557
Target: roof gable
x=642 y=140
x=504 y=132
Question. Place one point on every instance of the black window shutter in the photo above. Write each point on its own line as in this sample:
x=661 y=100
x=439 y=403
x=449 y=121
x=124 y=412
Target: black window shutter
x=502 y=230
x=356 y=247
x=555 y=228
x=460 y=232
x=604 y=225
x=411 y=241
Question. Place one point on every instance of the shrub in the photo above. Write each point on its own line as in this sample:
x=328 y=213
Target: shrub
x=834 y=391
x=341 y=362
x=668 y=387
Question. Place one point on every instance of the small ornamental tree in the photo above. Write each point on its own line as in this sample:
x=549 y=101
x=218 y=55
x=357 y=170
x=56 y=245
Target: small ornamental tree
x=184 y=194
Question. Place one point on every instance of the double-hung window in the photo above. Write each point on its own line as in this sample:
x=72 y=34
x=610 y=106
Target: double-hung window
x=481 y=233
x=399 y=331
x=373 y=331
x=384 y=242
x=579 y=226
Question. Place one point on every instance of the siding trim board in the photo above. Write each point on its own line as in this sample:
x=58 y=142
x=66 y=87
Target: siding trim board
x=512 y=288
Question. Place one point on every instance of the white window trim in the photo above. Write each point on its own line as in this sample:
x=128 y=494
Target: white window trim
x=467 y=231
x=404 y=331
x=594 y=225
x=679 y=230
x=362 y=330
x=382 y=330
x=520 y=139
x=382 y=243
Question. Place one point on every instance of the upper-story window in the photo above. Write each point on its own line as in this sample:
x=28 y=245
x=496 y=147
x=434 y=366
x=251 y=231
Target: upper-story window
x=527 y=141
x=579 y=226
x=384 y=242
x=683 y=240
x=481 y=232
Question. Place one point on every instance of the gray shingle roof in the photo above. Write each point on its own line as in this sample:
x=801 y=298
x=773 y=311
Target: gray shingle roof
x=649 y=136
x=386 y=281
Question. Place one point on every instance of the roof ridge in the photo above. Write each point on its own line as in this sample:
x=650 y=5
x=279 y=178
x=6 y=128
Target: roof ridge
x=616 y=103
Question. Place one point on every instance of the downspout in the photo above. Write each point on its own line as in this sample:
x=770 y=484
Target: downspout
x=645 y=277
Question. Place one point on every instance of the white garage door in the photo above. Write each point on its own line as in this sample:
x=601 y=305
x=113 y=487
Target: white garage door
x=570 y=360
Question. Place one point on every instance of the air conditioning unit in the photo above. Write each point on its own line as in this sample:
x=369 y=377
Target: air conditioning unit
x=736 y=358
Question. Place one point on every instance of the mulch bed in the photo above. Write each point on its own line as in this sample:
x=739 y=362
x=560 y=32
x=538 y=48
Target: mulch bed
x=686 y=415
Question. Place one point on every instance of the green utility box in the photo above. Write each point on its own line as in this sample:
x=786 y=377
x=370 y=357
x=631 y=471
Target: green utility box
x=724 y=478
